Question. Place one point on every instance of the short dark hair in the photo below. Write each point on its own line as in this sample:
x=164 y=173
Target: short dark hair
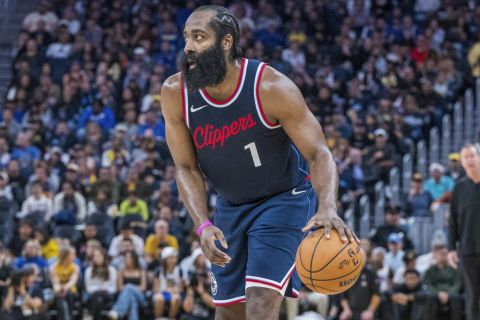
x=412 y=271
x=223 y=23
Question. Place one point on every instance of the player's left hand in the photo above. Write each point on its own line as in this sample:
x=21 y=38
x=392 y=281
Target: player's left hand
x=330 y=219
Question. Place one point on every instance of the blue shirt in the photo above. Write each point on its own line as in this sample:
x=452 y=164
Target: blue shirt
x=105 y=119
x=270 y=39
x=437 y=189
x=26 y=157
x=21 y=262
x=158 y=130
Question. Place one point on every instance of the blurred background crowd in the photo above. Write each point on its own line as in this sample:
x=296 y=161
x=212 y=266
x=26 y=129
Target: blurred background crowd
x=91 y=224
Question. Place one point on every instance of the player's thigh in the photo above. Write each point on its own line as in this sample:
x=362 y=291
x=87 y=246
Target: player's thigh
x=232 y=312
x=274 y=237
x=228 y=282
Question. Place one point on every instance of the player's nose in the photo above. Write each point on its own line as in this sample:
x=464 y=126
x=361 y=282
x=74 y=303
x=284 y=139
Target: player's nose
x=189 y=48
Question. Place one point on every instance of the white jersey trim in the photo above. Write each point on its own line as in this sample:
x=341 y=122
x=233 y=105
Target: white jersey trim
x=232 y=100
x=257 y=99
x=187 y=112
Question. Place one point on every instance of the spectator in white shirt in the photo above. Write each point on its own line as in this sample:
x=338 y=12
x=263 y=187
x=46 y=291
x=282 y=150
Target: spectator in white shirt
x=378 y=263
x=395 y=254
x=70 y=200
x=126 y=232
x=62 y=48
x=43 y=16
x=425 y=261
x=71 y=19
x=100 y=284
x=37 y=205
x=5 y=188
x=294 y=55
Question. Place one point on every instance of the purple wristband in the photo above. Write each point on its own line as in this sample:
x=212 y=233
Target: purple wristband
x=207 y=223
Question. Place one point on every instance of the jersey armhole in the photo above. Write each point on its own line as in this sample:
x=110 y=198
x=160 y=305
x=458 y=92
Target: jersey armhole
x=183 y=88
x=258 y=103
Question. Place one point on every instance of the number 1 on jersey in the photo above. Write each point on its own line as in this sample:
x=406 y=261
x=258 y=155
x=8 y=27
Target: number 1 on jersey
x=254 y=152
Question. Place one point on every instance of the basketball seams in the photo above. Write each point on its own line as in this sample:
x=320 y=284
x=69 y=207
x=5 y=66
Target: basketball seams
x=311 y=260
x=343 y=276
x=300 y=254
x=331 y=268
x=323 y=288
x=330 y=261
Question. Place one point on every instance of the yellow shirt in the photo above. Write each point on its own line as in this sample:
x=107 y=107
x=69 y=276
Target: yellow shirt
x=50 y=249
x=152 y=243
x=140 y=208
x=64 y=273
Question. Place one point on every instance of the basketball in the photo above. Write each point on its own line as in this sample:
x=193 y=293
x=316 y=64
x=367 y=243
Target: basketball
x=328 y=266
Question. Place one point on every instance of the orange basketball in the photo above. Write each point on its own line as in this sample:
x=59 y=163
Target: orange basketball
x=328 y=266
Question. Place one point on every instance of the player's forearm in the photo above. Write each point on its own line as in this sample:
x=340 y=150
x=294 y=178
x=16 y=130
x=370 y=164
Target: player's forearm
x=323 y=172
x=192 y=190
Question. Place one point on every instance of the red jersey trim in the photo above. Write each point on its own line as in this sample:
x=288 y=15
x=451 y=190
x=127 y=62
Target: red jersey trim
x=223 y=303
x=258 y=103
x=234 y=93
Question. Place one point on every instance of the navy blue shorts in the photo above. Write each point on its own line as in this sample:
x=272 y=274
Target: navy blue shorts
x=262 y=239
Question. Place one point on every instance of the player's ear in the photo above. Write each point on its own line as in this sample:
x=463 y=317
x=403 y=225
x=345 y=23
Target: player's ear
x=227 y=42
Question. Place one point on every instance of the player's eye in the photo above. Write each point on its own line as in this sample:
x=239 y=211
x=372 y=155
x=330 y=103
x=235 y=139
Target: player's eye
x=198 y=37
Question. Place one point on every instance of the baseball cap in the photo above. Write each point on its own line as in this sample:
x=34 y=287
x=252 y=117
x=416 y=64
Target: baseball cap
x=417 y=177
x=56 y=149
x=121 y=127
x=439 y=240
x=125 y=225
x=72 y=167
x=380 y=133
x=168 y=252
x=392 y=57
x=455 y=156
x=394 y=238
x=139 y=51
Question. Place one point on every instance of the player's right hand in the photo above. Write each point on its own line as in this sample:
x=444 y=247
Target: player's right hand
x=213 y=254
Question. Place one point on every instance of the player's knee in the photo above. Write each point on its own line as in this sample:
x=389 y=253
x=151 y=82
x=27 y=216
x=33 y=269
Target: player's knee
x=264 y=296
x=232 y=312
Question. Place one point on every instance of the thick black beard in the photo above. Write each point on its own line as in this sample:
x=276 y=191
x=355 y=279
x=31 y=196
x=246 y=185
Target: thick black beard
x=210 y=68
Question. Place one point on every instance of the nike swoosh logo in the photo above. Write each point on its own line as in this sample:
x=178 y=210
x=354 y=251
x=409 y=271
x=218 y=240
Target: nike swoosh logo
x=193 y=109
x=295 y=192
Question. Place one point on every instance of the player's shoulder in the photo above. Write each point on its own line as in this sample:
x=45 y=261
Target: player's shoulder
x=172 y=84
x=273 y=80
x=277 y=90
x=171 y=93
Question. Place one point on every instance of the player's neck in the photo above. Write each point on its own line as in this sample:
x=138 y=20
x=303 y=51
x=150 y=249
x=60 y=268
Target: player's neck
x=225 y=89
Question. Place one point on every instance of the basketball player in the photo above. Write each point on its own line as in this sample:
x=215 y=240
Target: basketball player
x=247 y=128
x=464 y=226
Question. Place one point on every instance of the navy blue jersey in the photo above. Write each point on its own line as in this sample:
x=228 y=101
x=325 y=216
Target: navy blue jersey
x=243 y=155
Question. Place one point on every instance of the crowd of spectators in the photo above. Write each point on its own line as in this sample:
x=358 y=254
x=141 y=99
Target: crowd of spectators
x=90 y=214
